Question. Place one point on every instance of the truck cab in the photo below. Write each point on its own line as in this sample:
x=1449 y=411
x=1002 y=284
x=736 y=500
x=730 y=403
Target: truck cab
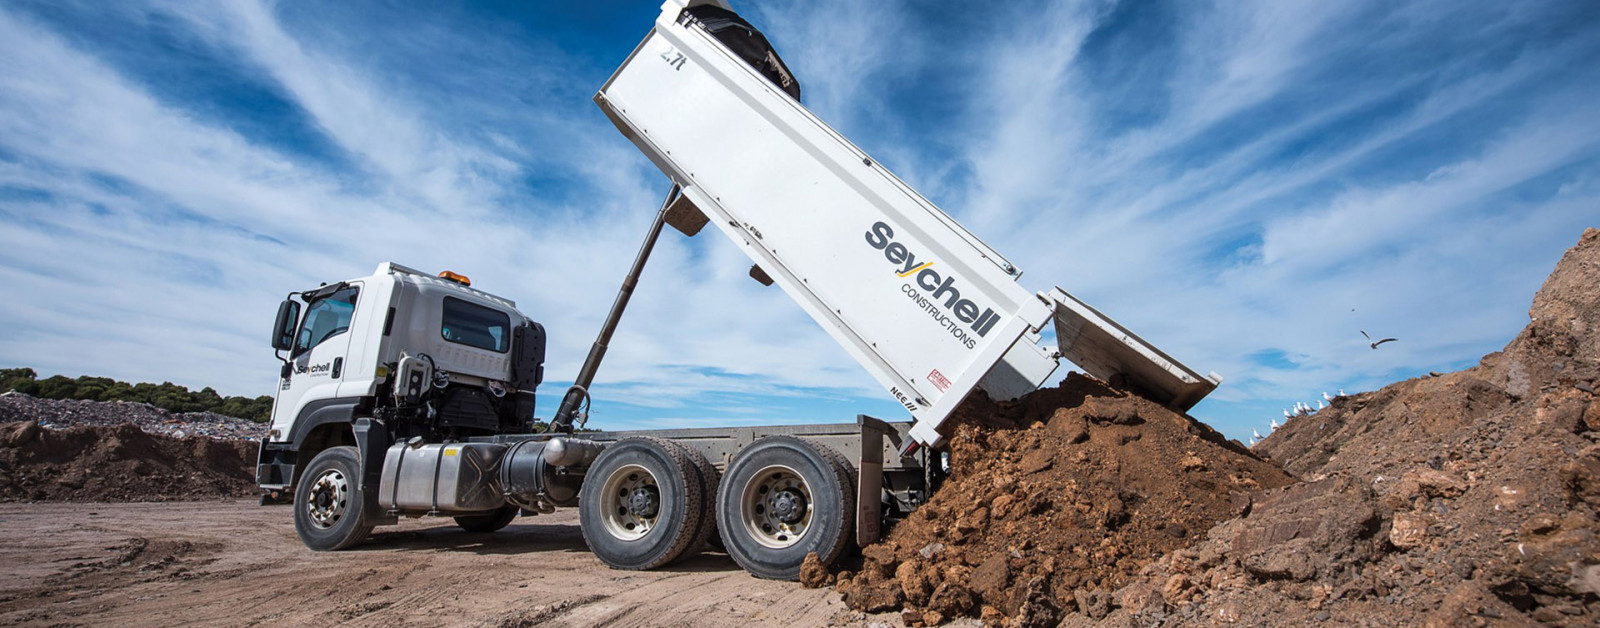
x=429 y=354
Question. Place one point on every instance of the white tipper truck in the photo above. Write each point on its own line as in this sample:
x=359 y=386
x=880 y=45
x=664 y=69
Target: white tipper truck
x=406 y=394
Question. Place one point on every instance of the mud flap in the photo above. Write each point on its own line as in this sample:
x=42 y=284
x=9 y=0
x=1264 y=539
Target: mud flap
x=372 y=440
x=869 y=484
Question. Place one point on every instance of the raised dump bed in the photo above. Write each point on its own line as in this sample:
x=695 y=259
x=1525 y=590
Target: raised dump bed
x=925 y=306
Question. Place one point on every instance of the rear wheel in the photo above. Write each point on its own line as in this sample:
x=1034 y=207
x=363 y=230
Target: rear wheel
x=329 y=512
x=783 y=498
x=709 y=480
x=642 y=503
x=490 y=522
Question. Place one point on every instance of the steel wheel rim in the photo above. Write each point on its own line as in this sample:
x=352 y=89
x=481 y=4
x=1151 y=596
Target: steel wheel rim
x=620 y=509
x=771 y=514
x=328 y=498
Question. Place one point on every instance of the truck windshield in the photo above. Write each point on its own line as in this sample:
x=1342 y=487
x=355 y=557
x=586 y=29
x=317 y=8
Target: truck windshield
x=475 y=325
x=325 y=318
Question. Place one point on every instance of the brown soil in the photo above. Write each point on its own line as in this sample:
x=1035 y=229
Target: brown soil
x=1054 y=500
x=1463 y=499
x=119 y=463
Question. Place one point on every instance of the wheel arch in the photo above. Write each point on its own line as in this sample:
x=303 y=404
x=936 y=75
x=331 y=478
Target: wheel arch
x=322 y=424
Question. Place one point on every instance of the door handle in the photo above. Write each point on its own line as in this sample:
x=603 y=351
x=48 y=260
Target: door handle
x=338 y=367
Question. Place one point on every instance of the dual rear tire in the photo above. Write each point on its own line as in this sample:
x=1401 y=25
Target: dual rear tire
x=648 y=502
x=643 y=504
x=781 y=499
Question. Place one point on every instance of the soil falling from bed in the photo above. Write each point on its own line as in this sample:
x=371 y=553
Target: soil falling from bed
x=1053 y=500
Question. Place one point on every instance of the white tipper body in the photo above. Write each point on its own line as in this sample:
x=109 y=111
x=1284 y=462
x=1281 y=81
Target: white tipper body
x=927 y=308
x=415 y=298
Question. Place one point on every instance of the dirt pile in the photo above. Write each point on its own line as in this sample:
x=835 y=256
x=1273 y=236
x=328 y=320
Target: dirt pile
x=119 y=463
x=1469 y=498
x=63 y=413
x=1055 y=500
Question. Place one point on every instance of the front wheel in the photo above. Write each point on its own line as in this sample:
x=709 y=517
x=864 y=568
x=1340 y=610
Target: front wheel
x=329 y=512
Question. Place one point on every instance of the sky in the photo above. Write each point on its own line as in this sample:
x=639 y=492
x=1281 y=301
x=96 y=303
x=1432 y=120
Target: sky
x=1247 y=185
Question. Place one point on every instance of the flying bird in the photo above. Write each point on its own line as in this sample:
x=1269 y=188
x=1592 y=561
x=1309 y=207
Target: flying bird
x=1374 y=345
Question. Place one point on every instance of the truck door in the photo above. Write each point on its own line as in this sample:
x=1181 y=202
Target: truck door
x=319 y=358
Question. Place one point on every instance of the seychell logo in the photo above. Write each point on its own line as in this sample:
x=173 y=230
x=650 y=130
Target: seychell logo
x=938 y=295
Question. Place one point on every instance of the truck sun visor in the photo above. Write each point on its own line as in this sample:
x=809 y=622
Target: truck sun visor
x=745 y=41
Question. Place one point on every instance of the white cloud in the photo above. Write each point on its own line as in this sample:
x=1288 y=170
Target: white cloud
x=1429 y=197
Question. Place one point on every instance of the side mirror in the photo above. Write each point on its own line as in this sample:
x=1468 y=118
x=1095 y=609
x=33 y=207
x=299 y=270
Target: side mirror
x=283 y=327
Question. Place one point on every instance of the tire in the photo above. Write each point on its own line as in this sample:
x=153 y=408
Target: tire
x=783 y=498
x=642 y=503
x=329 y=511
x=709 y=479
x=852 y=480
x=490 y=522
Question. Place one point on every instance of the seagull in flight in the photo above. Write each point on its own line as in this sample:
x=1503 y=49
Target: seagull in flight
x=1375 y=344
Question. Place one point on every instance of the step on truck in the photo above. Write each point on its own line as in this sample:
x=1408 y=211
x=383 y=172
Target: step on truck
x=408 y=394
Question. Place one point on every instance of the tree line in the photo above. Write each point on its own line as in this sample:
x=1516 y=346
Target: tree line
x=166 y=395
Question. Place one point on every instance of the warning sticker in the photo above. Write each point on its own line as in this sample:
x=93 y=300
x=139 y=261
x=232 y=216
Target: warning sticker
x=938 y=380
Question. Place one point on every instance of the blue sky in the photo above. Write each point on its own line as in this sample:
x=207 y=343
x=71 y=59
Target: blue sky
x=1246 y=184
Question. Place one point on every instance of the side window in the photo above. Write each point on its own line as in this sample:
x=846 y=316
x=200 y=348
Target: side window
x=475 y=325
x=325 y=318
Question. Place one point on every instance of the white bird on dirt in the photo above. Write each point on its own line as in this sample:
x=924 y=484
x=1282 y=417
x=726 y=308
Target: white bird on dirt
x=1326 y=397
x=1253 y=442
x=1287 y=414
x=1274 y=424
x=1320 y=406
x=1255 y=435
x=1341 y=392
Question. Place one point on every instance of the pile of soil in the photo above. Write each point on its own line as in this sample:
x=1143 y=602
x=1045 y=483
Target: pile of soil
x=119 y=463
x=1463 y=499
x=1054 y=500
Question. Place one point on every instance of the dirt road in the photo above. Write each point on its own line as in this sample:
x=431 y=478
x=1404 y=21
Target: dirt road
x=236 y=563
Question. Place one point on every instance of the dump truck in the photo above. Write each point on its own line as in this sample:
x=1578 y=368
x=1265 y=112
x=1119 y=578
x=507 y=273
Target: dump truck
x=410 y=394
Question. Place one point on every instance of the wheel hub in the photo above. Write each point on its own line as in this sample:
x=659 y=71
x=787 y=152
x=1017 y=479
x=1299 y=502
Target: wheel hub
x=330 y=495
x=633 y=503
x=789 y=506
x=645 y=501
x=775 y=507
